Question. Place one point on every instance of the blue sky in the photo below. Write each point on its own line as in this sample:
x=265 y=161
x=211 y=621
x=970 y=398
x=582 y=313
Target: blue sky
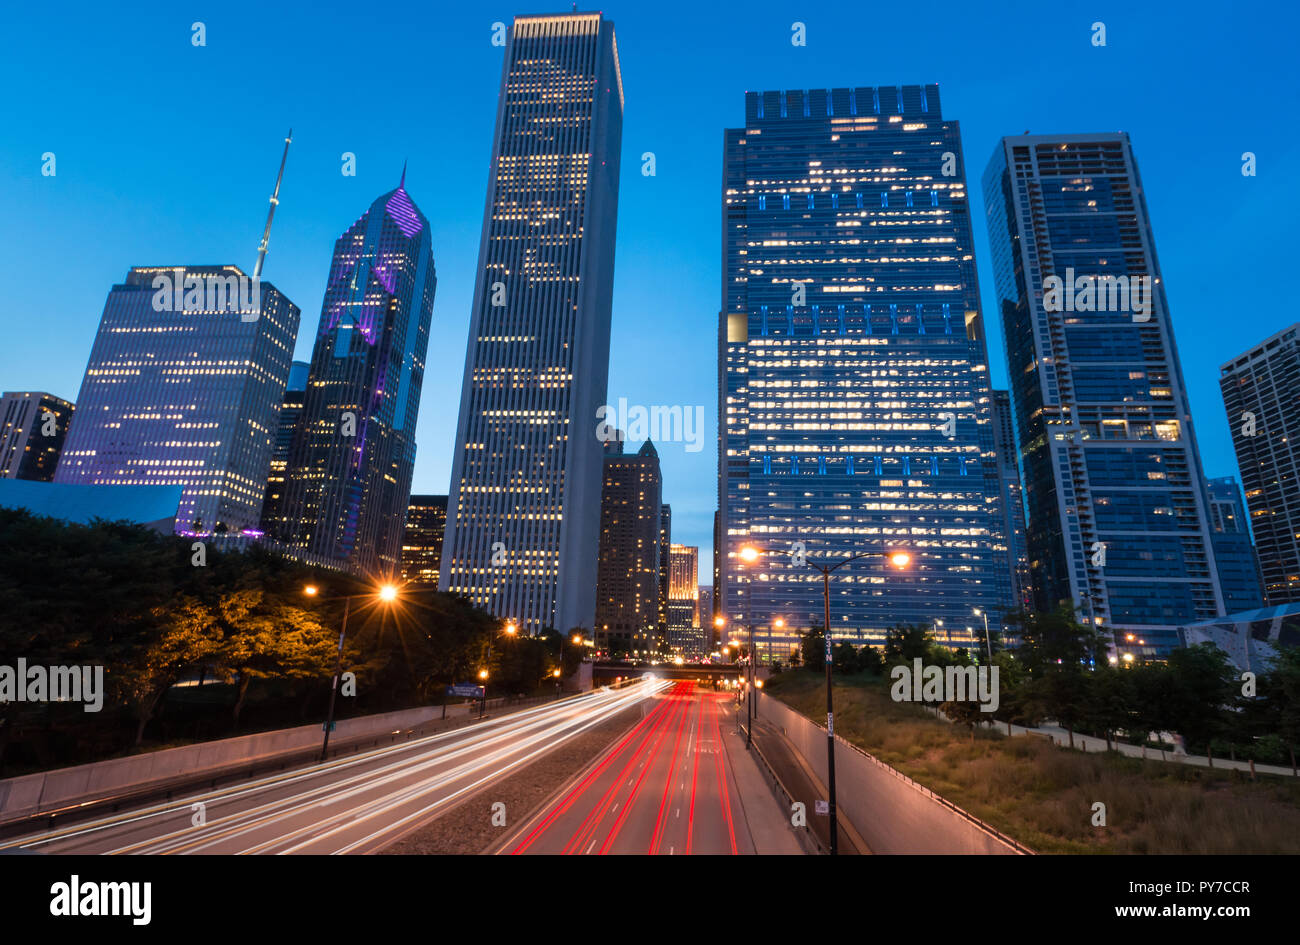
x=166 y=154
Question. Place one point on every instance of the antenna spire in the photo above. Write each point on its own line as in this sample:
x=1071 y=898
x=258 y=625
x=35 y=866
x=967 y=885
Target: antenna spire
x=402 y=185
x=270 y=214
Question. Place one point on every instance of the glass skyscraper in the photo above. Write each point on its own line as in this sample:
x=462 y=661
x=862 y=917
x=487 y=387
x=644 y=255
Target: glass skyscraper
x=1239 y=575
x=349 y=475
x=183 y=387
x=33 y=425
x=853 y=374
x=523 y=521
x=1261 y=392
x=1013 y=501
x=1115 y=495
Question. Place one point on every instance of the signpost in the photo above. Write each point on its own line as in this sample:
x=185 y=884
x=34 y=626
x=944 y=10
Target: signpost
x=467 y=691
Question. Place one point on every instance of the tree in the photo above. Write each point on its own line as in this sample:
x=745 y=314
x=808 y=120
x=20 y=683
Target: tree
x=845 y=658
x=1203 y=685
x=1154 y=703
x=1108 y=700
x=907 y=642
x=812 y=647
x=869 y=660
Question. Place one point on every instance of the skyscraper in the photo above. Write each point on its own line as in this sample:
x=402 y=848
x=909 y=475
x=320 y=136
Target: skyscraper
x=684 y=633
x=1239 y=574
x=627 y=575
x=523 y=526
x=426 y=523
x=1261 y=392
x=1013 y=500
x=295 y=395
x=665 y=569
x=349 y=473
x=183 y=387
x=853 y=376
x=1115 y=496
x=33 y=426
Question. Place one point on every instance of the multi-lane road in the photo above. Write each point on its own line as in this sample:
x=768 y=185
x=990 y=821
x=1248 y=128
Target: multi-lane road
x=353 y=805
x=667 y=787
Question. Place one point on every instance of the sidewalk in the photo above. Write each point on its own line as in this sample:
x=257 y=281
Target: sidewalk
x=1087 y=743
x=803 y=785
x=769 y=824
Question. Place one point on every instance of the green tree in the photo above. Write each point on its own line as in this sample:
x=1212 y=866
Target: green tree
x=907 y=642
x=812 y=646
x=1203 y=686
x=844 y=658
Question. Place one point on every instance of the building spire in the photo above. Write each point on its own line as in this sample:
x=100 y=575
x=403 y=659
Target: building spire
x=270 y=214
x=402 y=185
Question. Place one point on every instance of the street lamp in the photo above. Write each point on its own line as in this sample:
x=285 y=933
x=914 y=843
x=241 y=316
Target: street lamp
x=386 y=593
x=900 y=560
x=988 y=641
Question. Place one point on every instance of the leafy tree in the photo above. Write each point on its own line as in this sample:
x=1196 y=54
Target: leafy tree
x=1108 y=700
x=870 y=661
x=844 y=658
x=1203 y=685
x=812 y=646
x=907 y=642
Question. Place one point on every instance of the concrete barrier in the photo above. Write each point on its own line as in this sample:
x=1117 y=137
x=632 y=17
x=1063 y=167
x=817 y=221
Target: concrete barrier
x=892 y=812
x=63 y=787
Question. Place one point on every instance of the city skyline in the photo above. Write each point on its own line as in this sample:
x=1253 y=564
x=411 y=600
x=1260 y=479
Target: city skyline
x=210 y=205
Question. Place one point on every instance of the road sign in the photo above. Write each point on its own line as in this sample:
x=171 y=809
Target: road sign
x=465 y=691
x=822 y=807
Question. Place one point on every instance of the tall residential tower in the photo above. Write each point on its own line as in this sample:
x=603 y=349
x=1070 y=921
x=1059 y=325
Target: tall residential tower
x=1114 y=493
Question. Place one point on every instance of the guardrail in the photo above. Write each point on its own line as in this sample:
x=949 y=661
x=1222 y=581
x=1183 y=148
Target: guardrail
x=807 y=839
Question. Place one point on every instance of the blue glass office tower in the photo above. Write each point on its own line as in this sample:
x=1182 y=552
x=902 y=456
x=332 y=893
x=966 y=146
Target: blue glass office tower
x=348 y=480
x=1261 y=393
x=855 y=407
x=183 y=387
x=1114 y=492
x=1239 y=575
x=523 y=520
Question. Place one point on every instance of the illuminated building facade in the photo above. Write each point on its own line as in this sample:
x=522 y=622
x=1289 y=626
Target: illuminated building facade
x=855 y=411
x=349 y=474
x=665 y=566
x=1115 y=495
x=426 y=523
x=295 y=395
x=523 y=522
x=627 y=574
x=33 y=426
x=1013 y=500
x=685 y=637
x=1261 y=392
x=184 y=388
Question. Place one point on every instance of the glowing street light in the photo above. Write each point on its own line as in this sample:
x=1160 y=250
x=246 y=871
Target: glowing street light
x=388 y=593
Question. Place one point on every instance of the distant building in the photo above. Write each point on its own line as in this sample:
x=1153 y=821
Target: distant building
x=706 y=618
x=33 y=425
x=1013 y=500
x=627 y=570
x=295 y=395
x=684 y=636
x=184 y=387
x=348 y=479
x=665 y=568
x=426 y=519
x=1261 y=393
x=1239 y=576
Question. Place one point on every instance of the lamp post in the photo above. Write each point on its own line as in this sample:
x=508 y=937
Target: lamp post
x=386 y=593
x=749 y=555
x=988 y=641
x=899 y=559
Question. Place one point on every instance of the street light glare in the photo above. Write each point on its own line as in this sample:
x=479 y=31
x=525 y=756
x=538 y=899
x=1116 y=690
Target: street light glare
x=310 y=590
x=388 y=592
x=510 y=628
x=482 y=674
x=749 y=554
x=900 y=559
x=577 y=638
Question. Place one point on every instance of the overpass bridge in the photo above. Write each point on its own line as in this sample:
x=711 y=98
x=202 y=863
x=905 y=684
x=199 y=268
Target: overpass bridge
x=604 y=672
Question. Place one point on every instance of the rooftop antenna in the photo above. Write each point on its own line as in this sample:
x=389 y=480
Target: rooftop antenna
x=402 y=185
x=270 y=214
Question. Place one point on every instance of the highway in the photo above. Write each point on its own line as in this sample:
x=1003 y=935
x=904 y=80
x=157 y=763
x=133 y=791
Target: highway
x=667 y=787
x=356 y=804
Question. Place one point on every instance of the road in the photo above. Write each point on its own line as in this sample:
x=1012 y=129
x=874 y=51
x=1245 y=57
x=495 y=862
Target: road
x=352 y=805
x=667 y=787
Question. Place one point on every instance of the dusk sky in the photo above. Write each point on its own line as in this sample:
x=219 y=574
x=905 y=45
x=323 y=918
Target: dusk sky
x=166 y=154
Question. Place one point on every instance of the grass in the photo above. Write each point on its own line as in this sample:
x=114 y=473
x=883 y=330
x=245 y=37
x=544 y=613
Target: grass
x=1043 y=795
